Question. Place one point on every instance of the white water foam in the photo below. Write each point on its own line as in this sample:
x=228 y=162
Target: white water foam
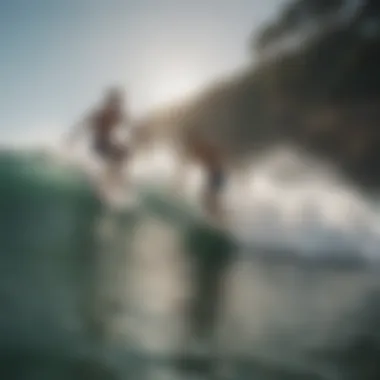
x=286 y=200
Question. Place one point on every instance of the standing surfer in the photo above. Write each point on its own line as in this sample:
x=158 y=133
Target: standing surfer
x=103 y=123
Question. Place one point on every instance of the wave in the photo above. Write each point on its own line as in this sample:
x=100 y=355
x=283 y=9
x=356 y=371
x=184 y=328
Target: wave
x=64 y=285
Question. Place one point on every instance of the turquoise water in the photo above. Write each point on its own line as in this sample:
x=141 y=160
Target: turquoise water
x=47 y=216
x=66 y=286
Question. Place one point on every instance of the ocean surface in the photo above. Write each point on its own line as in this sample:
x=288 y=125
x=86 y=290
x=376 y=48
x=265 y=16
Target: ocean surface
x=91 y=292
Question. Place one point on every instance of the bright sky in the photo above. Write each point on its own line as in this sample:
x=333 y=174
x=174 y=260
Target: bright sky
x=57 y=56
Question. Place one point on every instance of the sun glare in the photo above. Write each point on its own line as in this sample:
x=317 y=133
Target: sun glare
x=173 y=85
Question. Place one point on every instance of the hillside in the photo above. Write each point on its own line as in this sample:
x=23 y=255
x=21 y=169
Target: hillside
x=321 y=96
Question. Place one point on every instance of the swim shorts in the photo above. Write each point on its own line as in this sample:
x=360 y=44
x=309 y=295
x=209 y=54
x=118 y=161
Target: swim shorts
x=110 y=151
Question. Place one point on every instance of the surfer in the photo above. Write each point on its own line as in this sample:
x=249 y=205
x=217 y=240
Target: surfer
x=192 y=146
x=103 y=123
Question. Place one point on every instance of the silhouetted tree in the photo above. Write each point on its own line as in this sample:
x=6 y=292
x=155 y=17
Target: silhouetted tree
x=339 y=59
x=298 y=17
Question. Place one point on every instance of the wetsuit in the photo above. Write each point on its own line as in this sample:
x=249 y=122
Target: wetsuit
x=104 y=123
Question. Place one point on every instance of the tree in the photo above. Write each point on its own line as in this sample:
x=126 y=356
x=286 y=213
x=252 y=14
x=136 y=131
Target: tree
x=298 y=17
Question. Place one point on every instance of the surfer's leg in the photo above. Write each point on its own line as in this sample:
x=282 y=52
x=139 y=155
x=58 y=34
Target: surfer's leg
x=216 y=179
x=180 y=172
x=113 y=156
x=117 y=159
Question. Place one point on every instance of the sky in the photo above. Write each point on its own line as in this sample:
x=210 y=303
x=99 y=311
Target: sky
x=57 y=56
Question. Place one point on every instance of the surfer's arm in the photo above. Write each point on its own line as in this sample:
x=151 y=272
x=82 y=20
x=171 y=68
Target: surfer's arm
x=78 y=129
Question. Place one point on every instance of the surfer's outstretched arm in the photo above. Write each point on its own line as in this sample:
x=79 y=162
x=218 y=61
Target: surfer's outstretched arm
x=77 y=129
